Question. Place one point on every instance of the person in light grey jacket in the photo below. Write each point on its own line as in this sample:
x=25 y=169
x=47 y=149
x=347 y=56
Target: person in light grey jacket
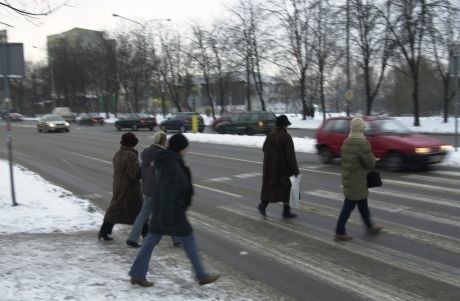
x=357 y=160
x=148 y=156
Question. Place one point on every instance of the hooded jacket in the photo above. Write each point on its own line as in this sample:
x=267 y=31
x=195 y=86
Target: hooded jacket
x=148 y=157
x=172 y=195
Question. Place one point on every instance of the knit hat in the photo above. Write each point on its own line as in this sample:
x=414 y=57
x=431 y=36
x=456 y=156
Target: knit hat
x=160 y=138
x=177 y=142
x=357 y=125
x=282 y=121
x=129 y=140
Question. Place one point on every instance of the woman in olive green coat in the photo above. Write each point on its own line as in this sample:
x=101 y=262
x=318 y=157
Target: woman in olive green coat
x=357 y=160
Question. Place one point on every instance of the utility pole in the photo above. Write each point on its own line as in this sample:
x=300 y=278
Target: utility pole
x=348 y=93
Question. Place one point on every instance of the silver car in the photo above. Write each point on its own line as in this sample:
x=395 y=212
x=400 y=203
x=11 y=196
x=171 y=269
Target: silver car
x=52 y=123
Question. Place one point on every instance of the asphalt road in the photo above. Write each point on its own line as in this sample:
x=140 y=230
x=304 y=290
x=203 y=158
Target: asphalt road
x=415 y=258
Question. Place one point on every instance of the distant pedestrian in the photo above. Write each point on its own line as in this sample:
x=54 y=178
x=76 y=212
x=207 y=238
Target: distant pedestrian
x=172 y=196
x=127 y=198
x=357 y=159
x=280 y=163
x=148 y=180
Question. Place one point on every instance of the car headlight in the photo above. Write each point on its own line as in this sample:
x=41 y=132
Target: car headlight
x=422 y=150
x=51 y=125
x=67 y=124
x=446 y=148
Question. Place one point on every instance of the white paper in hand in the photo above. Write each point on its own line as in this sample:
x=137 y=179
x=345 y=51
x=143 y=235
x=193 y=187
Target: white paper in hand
x=295 y=191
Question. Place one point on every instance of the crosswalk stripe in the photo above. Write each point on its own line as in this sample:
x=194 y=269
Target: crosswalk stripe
x=445 y=173
x=425 y=237
x=221 y=179
x=408 y=211
x=417 y=198
x=433 y=179
x=408 y=262
x=422 y=186
x=322 y=269
x=248 y=175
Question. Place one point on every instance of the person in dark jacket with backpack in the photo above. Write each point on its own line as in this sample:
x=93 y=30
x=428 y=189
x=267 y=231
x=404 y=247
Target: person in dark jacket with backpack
x=148 y=178
x=357 y=159
x=172 y=196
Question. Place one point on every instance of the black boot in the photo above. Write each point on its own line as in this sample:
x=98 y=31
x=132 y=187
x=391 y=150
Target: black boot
x=261 y=207
x=287 y=211
x=105 y=230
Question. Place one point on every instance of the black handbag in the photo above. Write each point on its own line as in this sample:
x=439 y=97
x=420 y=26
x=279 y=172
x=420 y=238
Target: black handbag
x=373 y=179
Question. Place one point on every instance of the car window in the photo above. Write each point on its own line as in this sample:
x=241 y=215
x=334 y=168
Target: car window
x=338 y=126
x=244 y=117
x=391 y=126
x=269 y=116
x=84 y=115
x=254 y=117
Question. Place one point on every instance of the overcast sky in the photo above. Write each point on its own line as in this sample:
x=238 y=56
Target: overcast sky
x=97 y=15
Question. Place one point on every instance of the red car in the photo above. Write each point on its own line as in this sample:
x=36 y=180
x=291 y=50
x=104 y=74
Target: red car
x=390 y=141
x=227 y=116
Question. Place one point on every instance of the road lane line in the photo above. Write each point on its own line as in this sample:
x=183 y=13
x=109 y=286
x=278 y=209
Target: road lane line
x=445 y=173
x=321 y=269
x=221 y=179
x=219 y=191
x=92 y=158
x=423 y=186
x=248 y=175
x=396 y=258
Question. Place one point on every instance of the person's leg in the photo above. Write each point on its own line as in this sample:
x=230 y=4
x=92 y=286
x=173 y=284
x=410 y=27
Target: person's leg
x=363 y=208
x=106 y=229
x=262 y=207
x=176 y=241
x=364 y=212
x=141 y=218
x=347 y=208
x=191 y=250
x=287 y=211
x=140 y=265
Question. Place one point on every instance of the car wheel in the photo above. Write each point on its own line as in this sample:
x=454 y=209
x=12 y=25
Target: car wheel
x=151 y=128
x=118 y=127
x=325 y=155
x=220 y=130
x=39 y=130
x=134 y=127
x=182 y=129
x=394 y=162
x=249 y=131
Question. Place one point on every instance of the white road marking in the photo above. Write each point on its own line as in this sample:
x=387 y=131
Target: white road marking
x=433 y=179
x=417 y=198
x=408 y=262
x=248 y=175
x=314 y=265
x=408 y=211
x=92 y=158
x=221 y=179
x=219 y=191
x=422 y=186
x=445 y=173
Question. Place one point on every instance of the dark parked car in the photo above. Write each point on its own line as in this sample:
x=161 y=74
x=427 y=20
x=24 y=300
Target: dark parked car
x=14 y=117
x=182 y=122
x=52 y=123
x=390 y=141
x=135 y=121
x=248 y=123
x=90 y=119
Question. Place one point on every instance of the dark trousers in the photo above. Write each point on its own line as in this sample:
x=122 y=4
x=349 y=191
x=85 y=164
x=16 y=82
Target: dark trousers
x=106 y=228
x=348 y=206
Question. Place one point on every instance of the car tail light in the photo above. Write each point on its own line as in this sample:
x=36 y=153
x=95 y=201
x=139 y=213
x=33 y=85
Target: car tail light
x=261 y=124
x=142 y=121
x=94 y=120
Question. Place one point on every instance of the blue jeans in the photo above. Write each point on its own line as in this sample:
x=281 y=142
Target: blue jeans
x=141 y=263
x=141 y=219
x=348 y=206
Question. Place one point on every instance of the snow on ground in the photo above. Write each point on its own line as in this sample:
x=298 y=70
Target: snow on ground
x=49 y=251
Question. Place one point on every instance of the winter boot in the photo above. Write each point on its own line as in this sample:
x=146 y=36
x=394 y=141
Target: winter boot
x=262 y=206
x=287 y=212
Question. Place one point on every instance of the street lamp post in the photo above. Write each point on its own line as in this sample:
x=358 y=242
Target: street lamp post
x=50 y=65
x=143 y=25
